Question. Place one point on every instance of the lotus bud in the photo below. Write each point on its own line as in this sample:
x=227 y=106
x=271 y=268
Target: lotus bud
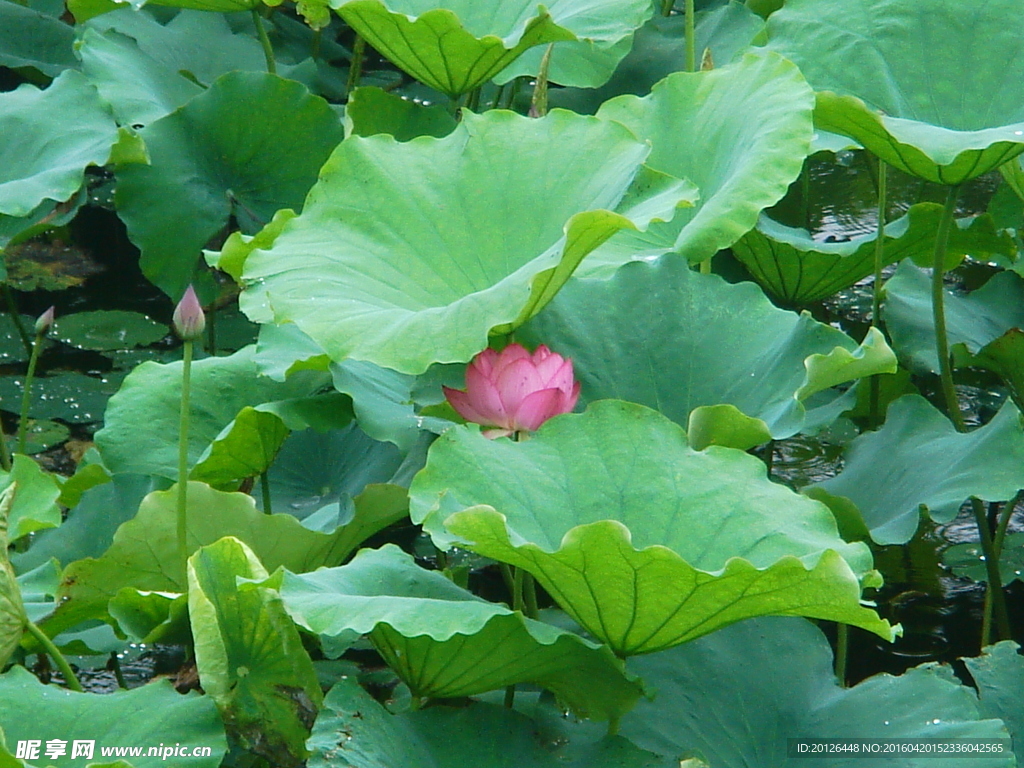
x=45 y=322
x=514 y=390
x=189 y=320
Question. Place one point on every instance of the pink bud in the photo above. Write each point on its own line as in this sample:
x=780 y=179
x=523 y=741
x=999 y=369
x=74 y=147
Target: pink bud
x=45 y=322
x=515 y=391
x=189 y=320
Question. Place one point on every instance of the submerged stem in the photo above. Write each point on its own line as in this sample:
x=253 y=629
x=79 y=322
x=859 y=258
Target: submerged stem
x=938 y=310
x=186 y=371
x=874 y=416
x=268 y=49
x=62 y=664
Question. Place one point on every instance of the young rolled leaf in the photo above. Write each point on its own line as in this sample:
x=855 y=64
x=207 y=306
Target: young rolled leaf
x=12 y=609
x=147 y=716
x=893 y=76
x=249 y=654
x=700 y=344
x=355 y=731
x=250 y=144
x=444 y=642
x=43 y=159
x=606 y=507
x=740 y=133
x=928 y=464
x=455 y=46
x=410 y=254
x=774 y=675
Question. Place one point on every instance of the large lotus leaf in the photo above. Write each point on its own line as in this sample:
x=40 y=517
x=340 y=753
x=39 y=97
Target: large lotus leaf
x=29 y=38
x=972 y=321
x=144 y=552
x=354 y=731
x=250 y=144
x=316 y=470
x=892 y=74
x=927 y=464
x=34 y=505
x=606 y=507
x=999 y=675
x=45 y=159
x=249 y=654
x=740 y=133
x=147 y=716
x=409 y=254
x=799 y=269
x=90 y=526
x=701 y=342
x=140 y=433
x=738 y=696
x=457 y=45
x=445 y=642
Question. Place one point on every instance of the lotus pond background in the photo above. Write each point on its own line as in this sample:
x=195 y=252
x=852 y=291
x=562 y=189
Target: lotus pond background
x=779 y=241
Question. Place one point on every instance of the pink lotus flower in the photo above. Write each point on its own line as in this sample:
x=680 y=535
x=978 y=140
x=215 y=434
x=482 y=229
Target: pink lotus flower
x=189 y=320
x=515 y=391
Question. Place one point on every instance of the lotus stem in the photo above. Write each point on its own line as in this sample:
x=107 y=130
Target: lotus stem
x=496 y=101
x=186 y=370
x=666 y=7
x=211 y=332
x=938 y=310
x=5 y=453
x=268 y=49
x=705 y=266
x=314 y=47
x=995 y=603
x=842 y=652
x=355 y=66
x=874 y=414
x=510 y=696
x=265 y=488
x=62 y=664
x=691 y=41
x=114 y=665
x=1004 y=522
x=517 y=589
x=26 y=395
x=529 y=596
x=539 y=102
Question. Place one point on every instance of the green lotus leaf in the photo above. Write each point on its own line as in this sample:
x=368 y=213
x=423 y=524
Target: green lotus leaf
x=317 y=470
x=606 y=507
x=968 y=560
x=249 y=145
x=972 y=321
x=29 y=38
x=575 y=63
x=34 y=505
x=249 y=654
x=774 y=675
x=90 y=526
x=44 y=159
x=140 y=433
x=445 y=642
x=796 y=268
x=999 y=675
x=48 y=215
x=372 y=110
x=283 y=350
x=12 y=608
x=1004 y=356
x=70 y=396
x=106 y=330
x=456 y=45
x=702 y=342
x=31 y=710
x=383 y=265
x=144 y=556
x=740 y=133
x=354 y=731
x=892 y=75
x=928 y=464
x=152 y=617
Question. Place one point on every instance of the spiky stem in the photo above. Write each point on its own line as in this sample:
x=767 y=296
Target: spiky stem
x=186 y=371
